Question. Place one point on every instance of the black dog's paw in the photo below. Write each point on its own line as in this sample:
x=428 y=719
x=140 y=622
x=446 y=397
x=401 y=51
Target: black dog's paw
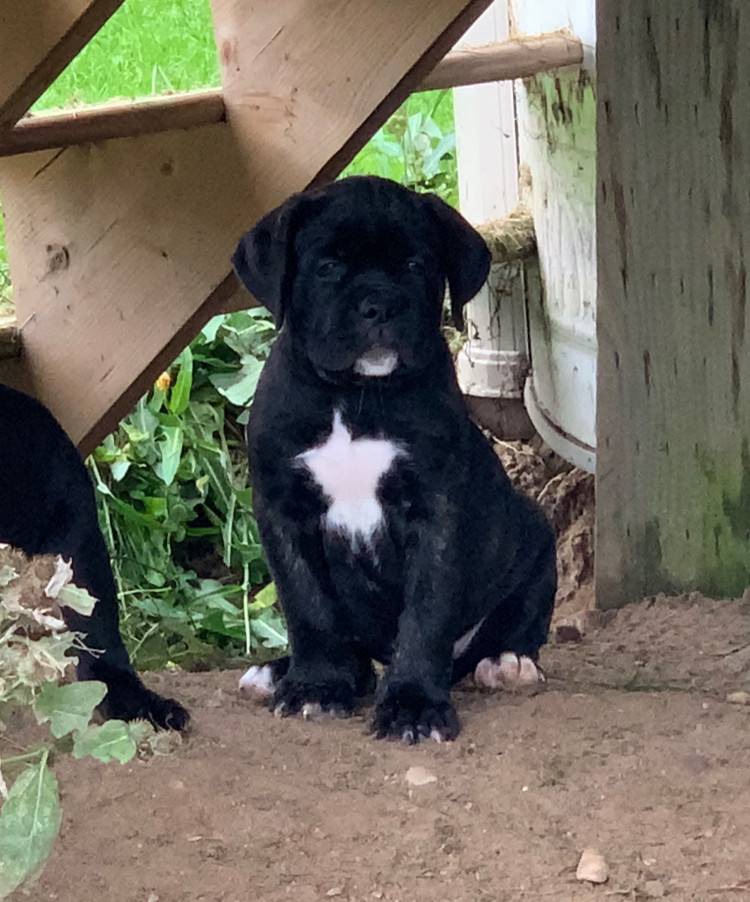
x=312 y=698
x=129 y=699
x=409 y=713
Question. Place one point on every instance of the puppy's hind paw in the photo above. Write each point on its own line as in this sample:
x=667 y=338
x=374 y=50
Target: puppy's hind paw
x=409 y=714
x=511 y=672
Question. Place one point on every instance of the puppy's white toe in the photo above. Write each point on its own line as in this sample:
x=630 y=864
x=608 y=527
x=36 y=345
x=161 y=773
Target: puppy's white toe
x=408 y=736
x=509 y=672
x=256 y=683
x=312 y=711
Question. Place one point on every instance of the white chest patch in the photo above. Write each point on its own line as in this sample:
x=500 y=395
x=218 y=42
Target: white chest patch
x=348 y=471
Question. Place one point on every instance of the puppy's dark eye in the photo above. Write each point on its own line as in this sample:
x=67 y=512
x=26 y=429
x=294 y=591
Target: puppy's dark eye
x=329 y=268
x=414 y=265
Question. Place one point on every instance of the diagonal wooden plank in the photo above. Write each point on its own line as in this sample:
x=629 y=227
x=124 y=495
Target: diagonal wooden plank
x=119 y=251
x=38 y=38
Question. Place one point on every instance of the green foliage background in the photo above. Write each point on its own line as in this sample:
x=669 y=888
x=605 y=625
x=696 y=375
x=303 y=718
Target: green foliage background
x=172 y=485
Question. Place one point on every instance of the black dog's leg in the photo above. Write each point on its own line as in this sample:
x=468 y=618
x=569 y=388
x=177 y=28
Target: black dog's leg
x=326 y=671
x=413 y=699
x=127 y=698
x=504 y=649
x=74 y=533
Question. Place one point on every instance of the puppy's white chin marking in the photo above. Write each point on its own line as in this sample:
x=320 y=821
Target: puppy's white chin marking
x=376 y=362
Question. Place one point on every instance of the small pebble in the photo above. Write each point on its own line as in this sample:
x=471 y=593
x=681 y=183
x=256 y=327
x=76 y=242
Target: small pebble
x=419 y=776
x=592 y=867
x=739 y=698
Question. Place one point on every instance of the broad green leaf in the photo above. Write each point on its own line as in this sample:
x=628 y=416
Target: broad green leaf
x=264 y=599
x=29 y=822
x=70 y=707
x=212 y=327
x=432 y=161
x=78 y=599
x=106 y=742
x=239 y=387
x=270 y=630
x=144 y=422
x=216 y=622
x=170 y=448
x=118 y=468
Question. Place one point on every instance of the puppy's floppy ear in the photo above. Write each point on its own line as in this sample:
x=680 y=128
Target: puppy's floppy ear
x=466 y=257
x=264 y=258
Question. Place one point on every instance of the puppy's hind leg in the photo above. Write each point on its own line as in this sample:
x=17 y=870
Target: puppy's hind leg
x=503 y=650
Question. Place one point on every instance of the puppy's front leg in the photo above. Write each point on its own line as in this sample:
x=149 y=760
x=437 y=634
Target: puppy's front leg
x=413 y=700
x=326 y=671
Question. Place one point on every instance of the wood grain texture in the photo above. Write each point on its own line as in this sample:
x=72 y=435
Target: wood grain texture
x=115 y=119
x=497 y=61
x=38 y=38
x=517 y=57
x=673 y=213
x=119 y=251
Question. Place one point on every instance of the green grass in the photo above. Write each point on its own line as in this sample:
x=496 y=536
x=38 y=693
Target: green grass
x=147 y=47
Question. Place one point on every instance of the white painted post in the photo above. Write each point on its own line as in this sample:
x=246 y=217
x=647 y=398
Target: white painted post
x=557 y=147
x=494 y=361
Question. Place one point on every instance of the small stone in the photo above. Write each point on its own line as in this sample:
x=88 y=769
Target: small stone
x=419 y=776
x=335 y=891
x=653 y=889
x=739 y=698
x=592 y=867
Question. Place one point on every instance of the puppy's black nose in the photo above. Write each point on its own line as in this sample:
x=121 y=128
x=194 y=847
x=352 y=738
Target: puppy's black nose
x=376 y=310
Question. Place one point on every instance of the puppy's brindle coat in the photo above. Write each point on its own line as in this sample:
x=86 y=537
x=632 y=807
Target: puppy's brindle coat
x=391 y=530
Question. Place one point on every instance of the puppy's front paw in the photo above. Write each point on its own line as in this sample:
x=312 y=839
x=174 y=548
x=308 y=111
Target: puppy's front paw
x=409 y=713
x=312 y=699
x=131 y=702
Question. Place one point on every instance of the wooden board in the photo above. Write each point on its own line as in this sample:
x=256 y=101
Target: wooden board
x=119 y=251
x=673 y=213
x=496 y=61
x=298 y=79
x=38 y=38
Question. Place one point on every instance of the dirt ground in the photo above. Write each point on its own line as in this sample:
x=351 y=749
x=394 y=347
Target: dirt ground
x=632 y=749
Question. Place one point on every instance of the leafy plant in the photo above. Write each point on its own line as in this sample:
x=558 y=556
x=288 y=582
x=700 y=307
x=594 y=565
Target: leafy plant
x=36 y=653
x=416 y=146
x=175 y=506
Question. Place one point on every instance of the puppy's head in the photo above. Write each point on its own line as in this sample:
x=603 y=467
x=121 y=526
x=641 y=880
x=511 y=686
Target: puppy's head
x=357 y=272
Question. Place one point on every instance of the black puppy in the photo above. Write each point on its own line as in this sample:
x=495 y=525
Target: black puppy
x=47 y=507
x=390 y=527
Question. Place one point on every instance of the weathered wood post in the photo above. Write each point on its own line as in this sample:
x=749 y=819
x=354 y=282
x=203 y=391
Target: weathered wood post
x=673 y=247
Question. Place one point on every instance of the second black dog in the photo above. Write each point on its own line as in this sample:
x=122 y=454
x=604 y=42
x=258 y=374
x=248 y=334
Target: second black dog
x=47 y=506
